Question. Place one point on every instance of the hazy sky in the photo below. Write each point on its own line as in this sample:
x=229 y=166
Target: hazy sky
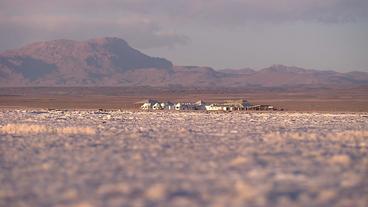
x=320 y=34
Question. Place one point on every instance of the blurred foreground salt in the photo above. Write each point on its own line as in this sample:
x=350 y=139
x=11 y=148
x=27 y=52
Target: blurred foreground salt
x=90 y=159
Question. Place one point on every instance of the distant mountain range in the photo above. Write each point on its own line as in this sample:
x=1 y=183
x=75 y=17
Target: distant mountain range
x=112 y=62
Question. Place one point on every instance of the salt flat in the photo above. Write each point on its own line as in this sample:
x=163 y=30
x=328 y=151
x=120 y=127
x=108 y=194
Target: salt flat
x=125 y=158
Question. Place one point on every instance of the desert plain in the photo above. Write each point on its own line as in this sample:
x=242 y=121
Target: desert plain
x=91 y=158
x=301 y=99
x=91 y=147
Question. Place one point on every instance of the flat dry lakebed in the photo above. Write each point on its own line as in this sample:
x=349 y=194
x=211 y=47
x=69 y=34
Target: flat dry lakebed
x=125 y=158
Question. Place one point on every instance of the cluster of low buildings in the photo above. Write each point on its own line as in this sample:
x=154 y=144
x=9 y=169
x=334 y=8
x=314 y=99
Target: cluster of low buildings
x=229 y=105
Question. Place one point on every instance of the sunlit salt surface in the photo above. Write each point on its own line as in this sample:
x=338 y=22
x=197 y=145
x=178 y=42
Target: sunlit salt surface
x=125 y=158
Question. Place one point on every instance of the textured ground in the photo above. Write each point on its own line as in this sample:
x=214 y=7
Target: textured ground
x=92 y=159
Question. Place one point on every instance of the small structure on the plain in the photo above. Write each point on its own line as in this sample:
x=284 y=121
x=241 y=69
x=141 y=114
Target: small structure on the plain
x=147 y=104
x=200 y=105
x=262 y=108
x=217 y=107
x=167 y=105
x=184 y=106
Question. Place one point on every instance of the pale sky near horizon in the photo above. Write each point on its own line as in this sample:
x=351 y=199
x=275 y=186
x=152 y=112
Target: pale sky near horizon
x=318 y=34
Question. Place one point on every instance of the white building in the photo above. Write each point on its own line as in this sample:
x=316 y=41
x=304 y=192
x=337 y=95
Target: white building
x=167 y=106
x=147 y=104
x=179 y=106
x=156 y=106
x=217 y=107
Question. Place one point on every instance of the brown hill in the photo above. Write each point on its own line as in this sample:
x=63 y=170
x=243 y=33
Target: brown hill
x=112 y=62
x=100 y=61
x=286 y=76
